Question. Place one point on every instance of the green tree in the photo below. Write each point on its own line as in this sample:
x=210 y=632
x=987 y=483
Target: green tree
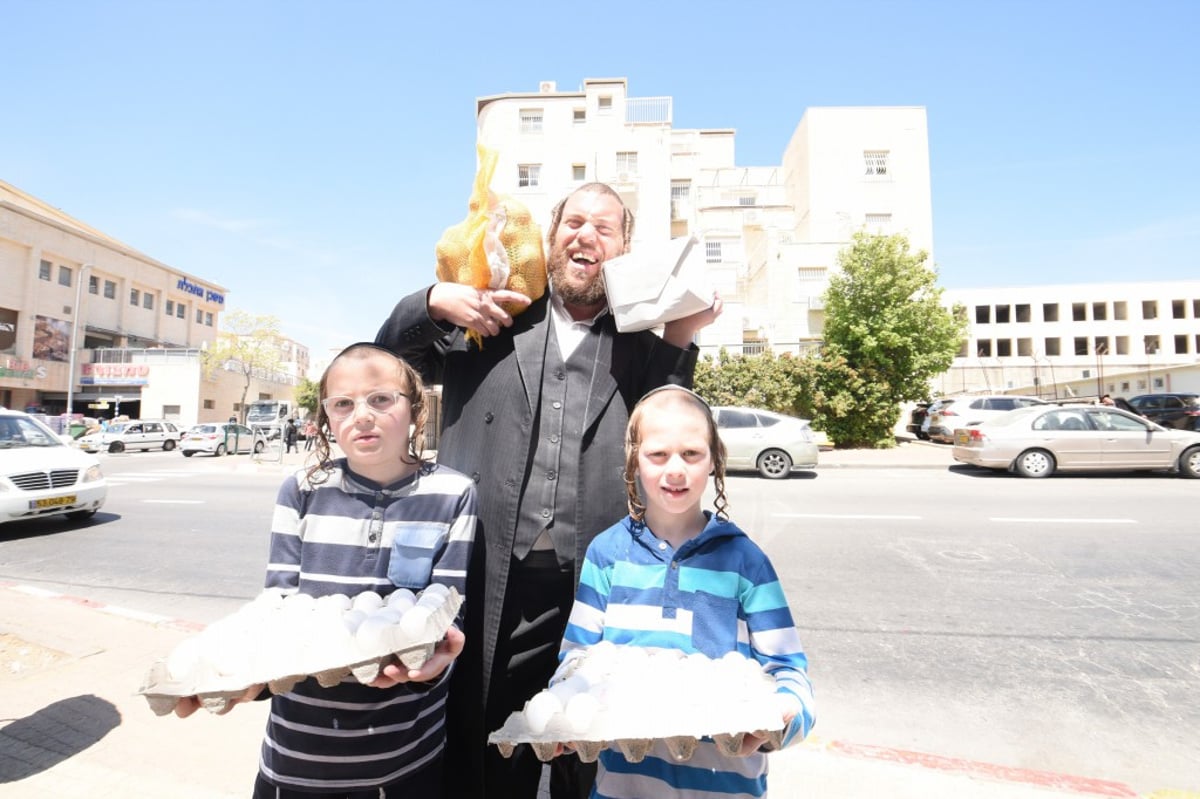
x=247 y=344
x=308 y=394
x=886 y=335
x=761 y=381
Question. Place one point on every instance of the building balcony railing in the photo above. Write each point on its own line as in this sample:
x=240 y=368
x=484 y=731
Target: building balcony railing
x=648 y=111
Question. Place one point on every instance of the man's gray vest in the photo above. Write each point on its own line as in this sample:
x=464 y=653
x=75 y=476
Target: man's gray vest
x=559 y=438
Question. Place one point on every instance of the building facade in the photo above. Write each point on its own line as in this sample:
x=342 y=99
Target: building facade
x=770 y=234
x=91 y=325
x=1081 y=339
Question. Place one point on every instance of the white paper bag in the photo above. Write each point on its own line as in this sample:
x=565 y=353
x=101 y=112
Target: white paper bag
x=657 y=283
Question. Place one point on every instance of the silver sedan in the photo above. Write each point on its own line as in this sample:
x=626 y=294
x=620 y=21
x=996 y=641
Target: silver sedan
x=771 y=443
x=1040 y=440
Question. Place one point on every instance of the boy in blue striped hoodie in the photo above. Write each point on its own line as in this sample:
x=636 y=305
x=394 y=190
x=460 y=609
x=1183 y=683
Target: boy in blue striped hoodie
x=671 y=575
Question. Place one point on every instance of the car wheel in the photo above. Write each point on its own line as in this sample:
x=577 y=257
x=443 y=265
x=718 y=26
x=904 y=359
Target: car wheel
x=1034 y=463
x=774 y=464
x=922 y=436
x=116 y=446
x=168 y=445
x=220 y=450
x=1189 y=463
x=81 y=515
x=259 y=447
x=187 y=453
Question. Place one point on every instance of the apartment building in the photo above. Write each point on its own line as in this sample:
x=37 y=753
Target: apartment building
x=92 y=323
x=770 y=233
x=1086 y=339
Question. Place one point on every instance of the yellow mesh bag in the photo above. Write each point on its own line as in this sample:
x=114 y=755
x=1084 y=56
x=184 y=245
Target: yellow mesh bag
x=498 y=245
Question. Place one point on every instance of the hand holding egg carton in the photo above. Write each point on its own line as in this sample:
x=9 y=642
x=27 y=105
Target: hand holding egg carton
x=279 y=640
x=630 y=696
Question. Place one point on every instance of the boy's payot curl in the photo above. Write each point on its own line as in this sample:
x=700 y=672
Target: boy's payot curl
x=498 y=245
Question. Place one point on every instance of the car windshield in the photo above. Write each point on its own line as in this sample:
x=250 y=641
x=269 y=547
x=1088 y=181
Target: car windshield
x=204 y=428
x=18 y=432
x=118 y=427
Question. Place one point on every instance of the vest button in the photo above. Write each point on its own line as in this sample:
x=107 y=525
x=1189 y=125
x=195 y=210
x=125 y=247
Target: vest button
x=557 y=405
x=545 y=513
x=487 y=417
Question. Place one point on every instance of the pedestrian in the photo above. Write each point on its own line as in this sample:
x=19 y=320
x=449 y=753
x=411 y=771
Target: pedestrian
x=1107 y=400
x=671 y=574
x=534 y=416
x=290 y=434
x=338 y=526
x=310 y=434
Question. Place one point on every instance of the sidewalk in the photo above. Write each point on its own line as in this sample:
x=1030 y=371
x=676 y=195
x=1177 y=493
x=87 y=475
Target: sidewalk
x=71 y=724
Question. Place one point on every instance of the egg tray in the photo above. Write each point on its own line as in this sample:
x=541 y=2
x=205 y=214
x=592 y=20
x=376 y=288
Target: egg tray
x=633 y=724
x=633 y=740
x=216 y=692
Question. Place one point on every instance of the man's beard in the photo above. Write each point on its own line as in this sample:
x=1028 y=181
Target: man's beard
x=570 y=291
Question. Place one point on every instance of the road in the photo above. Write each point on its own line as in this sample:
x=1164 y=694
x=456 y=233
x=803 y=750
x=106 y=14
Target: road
x=1039 y=624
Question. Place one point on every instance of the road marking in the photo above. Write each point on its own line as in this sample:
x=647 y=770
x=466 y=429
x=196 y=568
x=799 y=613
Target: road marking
x=844 y=516
x=1058 y=520
x=173 y=501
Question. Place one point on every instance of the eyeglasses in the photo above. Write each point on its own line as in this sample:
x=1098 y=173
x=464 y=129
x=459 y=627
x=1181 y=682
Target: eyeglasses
x=339 y=408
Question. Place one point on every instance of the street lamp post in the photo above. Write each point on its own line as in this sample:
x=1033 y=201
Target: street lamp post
x=74 y=333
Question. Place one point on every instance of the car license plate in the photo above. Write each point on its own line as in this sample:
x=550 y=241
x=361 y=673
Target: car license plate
x=52 y=502
x=961 y=437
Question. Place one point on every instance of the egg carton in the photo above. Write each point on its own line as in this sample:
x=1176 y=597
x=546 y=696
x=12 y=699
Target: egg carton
x=332 y=639
x=612 y=698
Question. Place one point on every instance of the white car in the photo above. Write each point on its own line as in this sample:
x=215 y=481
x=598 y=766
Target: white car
x=42 y=476
x=771 y=443
x=137 y=434
x=950 y=413
x=219 y=438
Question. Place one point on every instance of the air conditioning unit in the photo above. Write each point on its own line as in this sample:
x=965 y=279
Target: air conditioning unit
x=624 y=176
x=816 y=304
x=547 y=86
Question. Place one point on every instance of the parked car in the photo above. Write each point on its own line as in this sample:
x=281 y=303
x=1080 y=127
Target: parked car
x=963 y=411
x=1040 y=440
x=136 y=434
x=42 y=476
x=773 y=444
x=220 y=438
x=916 y=418
x=1181 y=411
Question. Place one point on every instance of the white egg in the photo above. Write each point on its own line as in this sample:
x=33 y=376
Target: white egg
x=437 y=588
x=539 y=710
x=414 y=623
x=581 y=711
x=367 y=601
x=373 y=635
x=299 y=603
x=401 y=596
x=351 y=619
x=567 y=688
x=339 y=602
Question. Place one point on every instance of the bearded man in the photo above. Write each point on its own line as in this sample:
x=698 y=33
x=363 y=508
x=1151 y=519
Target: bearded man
x=536 y=417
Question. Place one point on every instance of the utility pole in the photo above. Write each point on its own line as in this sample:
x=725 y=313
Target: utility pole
x=83 y=270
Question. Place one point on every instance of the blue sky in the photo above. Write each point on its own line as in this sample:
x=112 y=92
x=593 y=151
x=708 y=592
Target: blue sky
x=308 y=155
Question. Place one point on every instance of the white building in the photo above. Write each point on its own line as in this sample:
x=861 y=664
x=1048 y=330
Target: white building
x=1085 y=339
x=91 y=323
x=770 y=233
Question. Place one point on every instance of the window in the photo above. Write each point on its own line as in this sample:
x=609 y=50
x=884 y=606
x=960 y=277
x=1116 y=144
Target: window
x=1079 y=311
x=983 y=314
x=579 y=116
x=1003 y=314
x=110 y=290
x=627 y=162
x=208 y=320
x=93 y=284
x=531 y=120
x=179 y=310
x=1149 y=309
x=199 y=316
x=1023 y=313
x=170 y=309
x=210 y=405
x=529 y=175
x=1099 y=311
x=680 y=191
x=747 y=200
x=64 y=275
x=1178 y=309
x=604 y=104
x=879 y=222
x=1053 y=346
x=1050 y=312
x=147 y=301
x=578 y=172
x=134 y=296
x=712 y=252
x=44 y=270
x=876 y=162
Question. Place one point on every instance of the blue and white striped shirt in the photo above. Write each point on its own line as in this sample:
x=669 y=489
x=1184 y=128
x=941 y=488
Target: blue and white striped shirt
x=717 y=593
x=339 y=536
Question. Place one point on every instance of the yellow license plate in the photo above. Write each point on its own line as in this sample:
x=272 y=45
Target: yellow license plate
x=52 y=502
x=961 y=437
